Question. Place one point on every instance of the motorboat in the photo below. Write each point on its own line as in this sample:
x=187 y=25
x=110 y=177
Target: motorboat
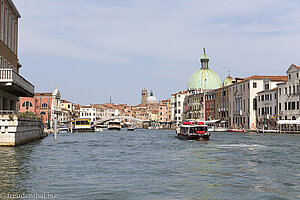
x=193 y=131
x=114 y=126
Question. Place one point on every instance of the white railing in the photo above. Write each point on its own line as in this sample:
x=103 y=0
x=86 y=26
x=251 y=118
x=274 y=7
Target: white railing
x=9 y=75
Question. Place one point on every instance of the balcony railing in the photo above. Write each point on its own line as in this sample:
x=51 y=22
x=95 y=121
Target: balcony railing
x=12 y=77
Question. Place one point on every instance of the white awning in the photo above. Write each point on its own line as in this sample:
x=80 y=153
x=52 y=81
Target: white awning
x=288 y=122
x=212 y=121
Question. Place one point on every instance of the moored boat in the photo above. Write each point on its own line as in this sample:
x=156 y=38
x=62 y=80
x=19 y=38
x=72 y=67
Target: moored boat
x=193 y=131
x=235 y=130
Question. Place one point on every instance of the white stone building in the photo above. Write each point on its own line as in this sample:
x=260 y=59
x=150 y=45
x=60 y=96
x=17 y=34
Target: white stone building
x=267 y=106
x=289 y=95
x=177 y=106
x=243 y=99
x=55 y=108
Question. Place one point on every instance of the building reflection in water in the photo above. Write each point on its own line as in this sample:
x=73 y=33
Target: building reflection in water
x=13 y=172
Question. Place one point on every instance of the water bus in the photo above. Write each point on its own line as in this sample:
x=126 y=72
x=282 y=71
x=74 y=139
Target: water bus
x=114 y=126
x=193 y=131
x=83 y=125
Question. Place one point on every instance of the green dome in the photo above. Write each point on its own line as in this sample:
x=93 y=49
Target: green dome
x=228 y=80
x=204 y=79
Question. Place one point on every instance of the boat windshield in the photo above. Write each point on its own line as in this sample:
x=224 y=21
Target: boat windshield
x=114 y=123
x=195 y=129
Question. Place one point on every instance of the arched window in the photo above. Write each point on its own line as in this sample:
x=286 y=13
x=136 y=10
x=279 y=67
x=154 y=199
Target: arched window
x=42 y=113
x=27 y=104
x=44 y=105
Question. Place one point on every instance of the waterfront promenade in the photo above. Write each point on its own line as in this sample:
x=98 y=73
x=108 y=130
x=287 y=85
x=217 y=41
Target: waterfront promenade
x=153 y=164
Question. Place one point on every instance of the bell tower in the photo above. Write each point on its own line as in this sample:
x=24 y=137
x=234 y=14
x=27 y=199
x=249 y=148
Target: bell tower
x=144 y=96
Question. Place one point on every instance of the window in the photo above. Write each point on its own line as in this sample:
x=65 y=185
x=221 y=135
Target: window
x=270 y=96
x=254 y=85
x=42 y=113
x=297 y=75
x=262 y=97
x=27 y=104
x=294 y=89
x=279 y=91
x=267 y=86
x=293 y=105
x=279 y=106
x=290 y=76
x=285 y=105
x=44 y=105
x=2 y=21
x=267 y=97
x=298 y=105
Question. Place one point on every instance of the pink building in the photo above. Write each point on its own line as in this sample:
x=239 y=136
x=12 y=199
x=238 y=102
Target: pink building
x=40 y=104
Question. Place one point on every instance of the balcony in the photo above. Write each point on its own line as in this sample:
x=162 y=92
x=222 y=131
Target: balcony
x=14 y=83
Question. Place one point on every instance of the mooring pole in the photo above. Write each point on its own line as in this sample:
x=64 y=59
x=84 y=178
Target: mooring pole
x=55 y=127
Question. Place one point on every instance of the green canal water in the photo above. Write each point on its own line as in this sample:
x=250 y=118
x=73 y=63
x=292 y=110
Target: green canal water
x=153 y=164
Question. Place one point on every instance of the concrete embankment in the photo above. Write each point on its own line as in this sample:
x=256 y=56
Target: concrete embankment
x=17 y=129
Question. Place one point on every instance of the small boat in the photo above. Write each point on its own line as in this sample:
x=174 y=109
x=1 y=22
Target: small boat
x=98 y=129
x=193 y=131
x=114 y=126
x=130 y=128
x=235 y=130
x=268 y=131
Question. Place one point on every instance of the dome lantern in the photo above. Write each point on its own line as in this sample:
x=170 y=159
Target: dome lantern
x=204 y=78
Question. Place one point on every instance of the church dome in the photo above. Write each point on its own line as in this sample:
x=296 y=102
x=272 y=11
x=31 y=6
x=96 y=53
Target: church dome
x=151 y=99
x=228 y=80
x=204 y=78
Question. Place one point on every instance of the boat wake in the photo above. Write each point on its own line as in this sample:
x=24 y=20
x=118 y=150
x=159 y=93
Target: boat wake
x=241 y=146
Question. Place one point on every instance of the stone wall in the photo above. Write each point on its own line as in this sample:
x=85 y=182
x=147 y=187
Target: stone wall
x=18 y=129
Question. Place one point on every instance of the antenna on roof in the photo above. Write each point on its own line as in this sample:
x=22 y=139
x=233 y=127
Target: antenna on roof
x=110 y=100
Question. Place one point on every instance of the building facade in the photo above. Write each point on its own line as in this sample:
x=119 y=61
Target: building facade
x=289 y=95
x=243 y=100
x=194 y=106
x=177 y=101
x=267 y=107
x=12 y=84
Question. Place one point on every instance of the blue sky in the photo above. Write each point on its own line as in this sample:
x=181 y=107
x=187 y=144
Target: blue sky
x=93 y=49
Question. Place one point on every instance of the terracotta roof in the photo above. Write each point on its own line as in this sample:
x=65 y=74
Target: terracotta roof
x=296 y=66
x=65 y=101
x=272 y=78
x=274 y=89
x=268 y=90
x=42 y=94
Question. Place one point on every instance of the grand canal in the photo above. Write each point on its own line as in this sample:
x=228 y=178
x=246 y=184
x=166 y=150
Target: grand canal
x=152 y=164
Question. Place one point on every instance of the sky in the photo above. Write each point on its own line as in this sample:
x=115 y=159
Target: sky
x=96 y=49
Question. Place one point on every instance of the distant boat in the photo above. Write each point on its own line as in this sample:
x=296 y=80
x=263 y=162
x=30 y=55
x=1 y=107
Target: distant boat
x=235 y=130
x=83 y=125
x=114 y=126
x=193 y=131
x=130 y=128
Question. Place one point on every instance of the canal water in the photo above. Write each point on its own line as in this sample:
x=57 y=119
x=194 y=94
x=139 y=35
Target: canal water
x=153 y=164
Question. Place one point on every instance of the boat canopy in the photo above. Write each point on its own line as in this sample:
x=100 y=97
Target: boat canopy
x=288 y=122
x=192 y=126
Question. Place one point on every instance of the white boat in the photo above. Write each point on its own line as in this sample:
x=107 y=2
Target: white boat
x=130 y=128
x=193 y=131
x=114 y=126
x=98 y=129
